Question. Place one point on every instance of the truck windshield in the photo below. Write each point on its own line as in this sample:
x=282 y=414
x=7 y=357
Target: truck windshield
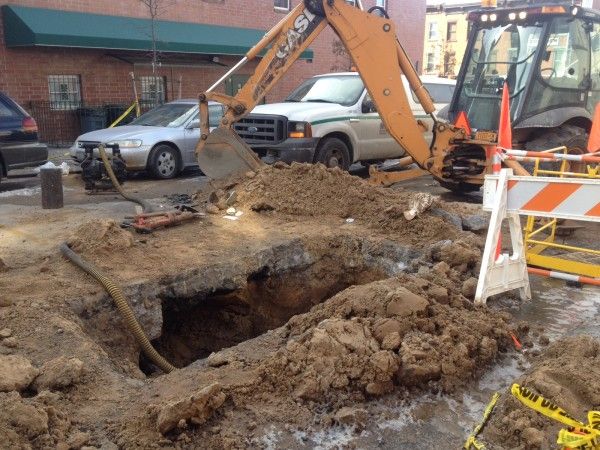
x=344 y=90
x=500 y=54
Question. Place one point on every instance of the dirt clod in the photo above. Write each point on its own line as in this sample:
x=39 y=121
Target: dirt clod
x=58 y=373
x=196 y=408
x=16 y=373
x=5 y=332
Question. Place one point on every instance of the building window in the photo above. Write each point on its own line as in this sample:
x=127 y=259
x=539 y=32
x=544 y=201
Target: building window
x=381 y=3
x=430 y=62
x=283 y=5
x=433 y=32
x=65 y=91
x=451 y=33
x=153 y=91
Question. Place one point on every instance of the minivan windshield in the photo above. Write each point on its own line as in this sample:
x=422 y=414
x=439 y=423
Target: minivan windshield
x=170 y=115
x=344 y=90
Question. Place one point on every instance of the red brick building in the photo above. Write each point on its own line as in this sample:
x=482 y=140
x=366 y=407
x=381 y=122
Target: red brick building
x=56 y=56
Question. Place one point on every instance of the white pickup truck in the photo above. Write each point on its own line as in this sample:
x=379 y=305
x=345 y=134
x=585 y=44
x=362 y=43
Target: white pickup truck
x=331 y=119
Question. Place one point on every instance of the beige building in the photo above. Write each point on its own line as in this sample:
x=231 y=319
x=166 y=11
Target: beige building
x=447 y=31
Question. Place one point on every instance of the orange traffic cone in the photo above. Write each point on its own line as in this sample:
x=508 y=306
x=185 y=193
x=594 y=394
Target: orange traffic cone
x=594 y=141
x=504 y=142
x=462 y=121
x=505 y=127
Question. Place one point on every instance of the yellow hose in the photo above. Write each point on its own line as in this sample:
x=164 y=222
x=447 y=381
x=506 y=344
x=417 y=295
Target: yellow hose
x=126 y=312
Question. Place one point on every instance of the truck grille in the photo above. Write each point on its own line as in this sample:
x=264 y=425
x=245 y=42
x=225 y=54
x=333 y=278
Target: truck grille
x=256 y=129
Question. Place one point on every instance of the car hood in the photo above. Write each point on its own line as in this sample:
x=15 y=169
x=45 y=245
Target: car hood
x=122 y=133
x=301 y=111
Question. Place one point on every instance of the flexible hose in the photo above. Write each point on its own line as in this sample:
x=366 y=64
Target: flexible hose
x=143 y=203
x=126 y=312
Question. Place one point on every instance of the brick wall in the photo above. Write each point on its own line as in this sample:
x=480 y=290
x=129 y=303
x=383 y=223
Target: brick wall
x=104 y=79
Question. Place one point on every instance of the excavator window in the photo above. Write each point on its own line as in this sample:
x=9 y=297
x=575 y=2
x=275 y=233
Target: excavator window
x=504 y=53
x=563 y=75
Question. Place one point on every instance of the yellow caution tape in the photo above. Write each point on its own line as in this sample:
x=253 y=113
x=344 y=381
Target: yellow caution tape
x=471 y=440
x=578 y=435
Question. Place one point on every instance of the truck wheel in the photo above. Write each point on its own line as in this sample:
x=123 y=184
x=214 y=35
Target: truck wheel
x=163 y=162
x=333 y=152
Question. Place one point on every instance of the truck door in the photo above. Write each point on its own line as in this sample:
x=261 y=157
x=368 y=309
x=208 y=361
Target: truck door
x=374 y=140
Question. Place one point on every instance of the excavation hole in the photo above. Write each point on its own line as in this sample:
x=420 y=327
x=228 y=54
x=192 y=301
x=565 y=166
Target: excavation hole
x=195 y=327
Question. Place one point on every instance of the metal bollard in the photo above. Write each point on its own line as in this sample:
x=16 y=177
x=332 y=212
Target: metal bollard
x=52 y=189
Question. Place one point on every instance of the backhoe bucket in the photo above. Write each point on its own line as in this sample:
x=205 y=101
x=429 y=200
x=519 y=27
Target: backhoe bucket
x=225 y=153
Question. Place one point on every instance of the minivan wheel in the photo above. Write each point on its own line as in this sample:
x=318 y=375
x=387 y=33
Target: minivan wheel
x=164 y=162
x=333 y=152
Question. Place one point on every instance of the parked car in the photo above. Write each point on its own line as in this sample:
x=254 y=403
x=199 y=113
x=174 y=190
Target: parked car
x=19 y=145
x=161 y=141
x=331 y=119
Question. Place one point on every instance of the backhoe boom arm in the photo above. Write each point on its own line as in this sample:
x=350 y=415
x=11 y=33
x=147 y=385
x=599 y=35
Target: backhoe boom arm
x=376 y=53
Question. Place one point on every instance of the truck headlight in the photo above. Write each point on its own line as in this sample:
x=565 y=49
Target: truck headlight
x=129 y=143
x=299 y=130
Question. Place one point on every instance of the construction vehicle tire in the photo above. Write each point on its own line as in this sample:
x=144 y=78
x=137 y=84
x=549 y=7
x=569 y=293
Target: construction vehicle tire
x=164 y=162
x=572 y=137
x=333 y=152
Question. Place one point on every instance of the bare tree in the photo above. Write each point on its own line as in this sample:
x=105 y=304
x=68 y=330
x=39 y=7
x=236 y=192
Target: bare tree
x=343 y=61
x=155 y=8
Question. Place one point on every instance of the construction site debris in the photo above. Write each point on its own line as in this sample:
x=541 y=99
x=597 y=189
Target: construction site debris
x=419 y=203
x=557 y=376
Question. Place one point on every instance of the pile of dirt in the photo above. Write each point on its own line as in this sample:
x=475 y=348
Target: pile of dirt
x=567 y=374
x=102 y=237
x=398 y=332
x=309 y=190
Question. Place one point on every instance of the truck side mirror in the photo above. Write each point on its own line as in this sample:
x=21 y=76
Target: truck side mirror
x=368 y=107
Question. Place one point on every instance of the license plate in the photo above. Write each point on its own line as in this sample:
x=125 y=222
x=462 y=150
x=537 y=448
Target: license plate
x=487 y=136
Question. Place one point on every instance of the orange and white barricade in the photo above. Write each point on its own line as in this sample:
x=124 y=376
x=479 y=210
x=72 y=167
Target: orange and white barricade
x=508 y=196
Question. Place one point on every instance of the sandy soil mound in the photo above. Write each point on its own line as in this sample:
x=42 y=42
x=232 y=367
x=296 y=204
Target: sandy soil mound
x=315 y=191
x=100 y=237
x=567 y=374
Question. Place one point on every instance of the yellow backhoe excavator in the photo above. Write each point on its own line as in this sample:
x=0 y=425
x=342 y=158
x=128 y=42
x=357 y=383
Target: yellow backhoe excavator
x=453 y=158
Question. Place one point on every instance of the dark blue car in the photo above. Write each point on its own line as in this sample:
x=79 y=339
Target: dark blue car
x=19 y=145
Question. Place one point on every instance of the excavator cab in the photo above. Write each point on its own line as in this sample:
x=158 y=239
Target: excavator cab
x=547 y=54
